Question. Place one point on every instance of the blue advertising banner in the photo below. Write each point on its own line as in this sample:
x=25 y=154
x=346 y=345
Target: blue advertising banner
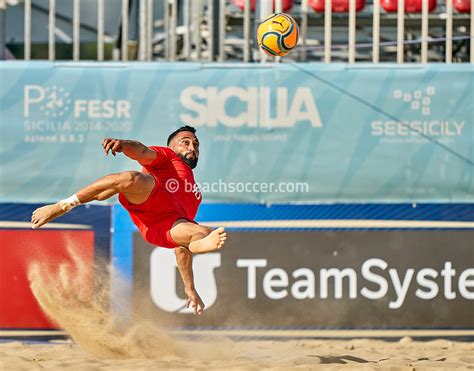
x=268 y=133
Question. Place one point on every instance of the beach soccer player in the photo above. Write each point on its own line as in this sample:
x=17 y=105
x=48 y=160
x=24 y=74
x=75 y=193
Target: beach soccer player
x=162 y=200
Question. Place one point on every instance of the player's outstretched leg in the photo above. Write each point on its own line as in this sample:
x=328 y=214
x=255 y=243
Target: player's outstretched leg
x=198 y=238
x=135 y=185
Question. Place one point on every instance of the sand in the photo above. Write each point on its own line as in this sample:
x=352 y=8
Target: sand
x=302 y=354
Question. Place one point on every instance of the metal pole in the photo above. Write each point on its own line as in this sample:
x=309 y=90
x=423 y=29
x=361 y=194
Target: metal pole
x=172 y=29
x=210 y=26
x=304 y=29
x=166 y=28
x=149 y=50
x=100 y=30
x=449 y=31
x=424 y=31
x=279 y=9
x=247 y=31
x=51 y=29
x=222 y=26
x=376 y=32
x=124 y=30
x=3 y=7
x=222 y=30
x=264 y=10
x=352 y=30
x=327 y=30
x=472 y=32
x=142 y=30
x=400 y=30
x=278 y=6
x=196 y=28
x=27 y=51
x=187 y=29
x=76 y=21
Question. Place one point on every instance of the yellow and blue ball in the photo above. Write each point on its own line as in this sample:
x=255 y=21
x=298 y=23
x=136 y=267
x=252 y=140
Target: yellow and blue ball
x=278 y=34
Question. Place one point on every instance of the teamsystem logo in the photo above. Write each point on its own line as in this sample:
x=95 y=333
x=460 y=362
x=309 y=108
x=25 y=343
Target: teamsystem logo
x=54 y=102
x=373 y=280
x=420 y=102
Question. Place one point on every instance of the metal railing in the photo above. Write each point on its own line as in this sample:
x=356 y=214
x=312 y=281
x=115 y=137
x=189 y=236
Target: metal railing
x=208 y=29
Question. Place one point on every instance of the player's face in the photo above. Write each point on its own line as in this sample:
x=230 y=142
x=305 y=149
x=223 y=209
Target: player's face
x=186 y=146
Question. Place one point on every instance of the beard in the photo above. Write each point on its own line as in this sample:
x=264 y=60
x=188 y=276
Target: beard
x=192 y=162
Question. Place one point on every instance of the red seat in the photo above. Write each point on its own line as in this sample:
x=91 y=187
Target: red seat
x=338 y=6
x=285 y=4
x=411 y=6
x=462 y=6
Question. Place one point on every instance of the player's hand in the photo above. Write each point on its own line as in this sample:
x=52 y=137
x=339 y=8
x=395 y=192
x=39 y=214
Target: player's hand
x=113 y=145
x=195 y=301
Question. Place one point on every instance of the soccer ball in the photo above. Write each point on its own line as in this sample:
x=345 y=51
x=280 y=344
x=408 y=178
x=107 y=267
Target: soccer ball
x=278 y=34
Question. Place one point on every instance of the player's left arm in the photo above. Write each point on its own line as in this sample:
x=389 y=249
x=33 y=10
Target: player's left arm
x=184 y=259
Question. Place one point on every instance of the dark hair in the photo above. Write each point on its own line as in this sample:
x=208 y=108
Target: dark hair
x=182 y=128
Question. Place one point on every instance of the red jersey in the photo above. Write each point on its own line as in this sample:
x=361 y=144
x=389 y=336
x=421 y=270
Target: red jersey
x=175 y=196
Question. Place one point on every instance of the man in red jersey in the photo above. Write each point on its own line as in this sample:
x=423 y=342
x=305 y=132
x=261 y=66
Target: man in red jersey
x=162 y=200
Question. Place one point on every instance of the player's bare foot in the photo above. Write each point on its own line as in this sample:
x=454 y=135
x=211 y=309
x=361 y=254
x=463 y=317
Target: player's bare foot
x=212 y=242
x=45 y=214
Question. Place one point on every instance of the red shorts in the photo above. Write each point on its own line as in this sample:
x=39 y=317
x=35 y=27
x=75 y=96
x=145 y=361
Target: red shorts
x=155 y=217
x=160 y=234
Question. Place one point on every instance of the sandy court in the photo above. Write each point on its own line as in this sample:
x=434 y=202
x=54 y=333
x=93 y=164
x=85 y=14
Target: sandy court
x=270 y=354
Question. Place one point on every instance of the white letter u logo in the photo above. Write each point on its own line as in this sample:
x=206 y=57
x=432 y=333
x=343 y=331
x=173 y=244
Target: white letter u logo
x=163 y=279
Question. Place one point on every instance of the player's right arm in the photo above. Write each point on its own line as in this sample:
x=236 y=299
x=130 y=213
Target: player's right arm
x=130 y=148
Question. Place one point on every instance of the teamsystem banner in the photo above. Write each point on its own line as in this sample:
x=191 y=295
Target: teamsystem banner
x=351 y=279
x=275 y=133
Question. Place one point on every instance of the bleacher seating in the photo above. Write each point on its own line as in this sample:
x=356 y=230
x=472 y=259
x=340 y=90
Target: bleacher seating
x=462 y=6
x=285 y=4
x=338 y=6
x=411 y=6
